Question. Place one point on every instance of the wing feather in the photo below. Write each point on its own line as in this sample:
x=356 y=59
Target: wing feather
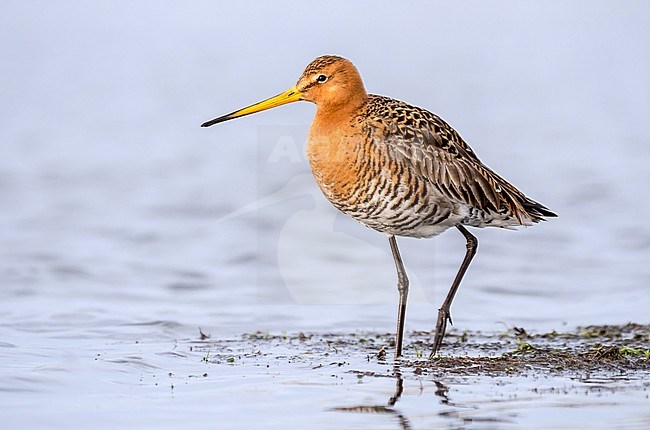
x=436 y=152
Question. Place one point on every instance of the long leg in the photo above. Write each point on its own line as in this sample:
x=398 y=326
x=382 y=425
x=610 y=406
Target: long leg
x=403 y=289
x=443 y=313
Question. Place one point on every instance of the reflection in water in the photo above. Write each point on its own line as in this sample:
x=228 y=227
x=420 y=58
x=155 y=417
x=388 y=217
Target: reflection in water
x=399 y=388
x=441 y=391
x=381 y=409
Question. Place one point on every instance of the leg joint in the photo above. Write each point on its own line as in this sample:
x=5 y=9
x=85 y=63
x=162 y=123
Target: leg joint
x=472 y=242
x=402 y=283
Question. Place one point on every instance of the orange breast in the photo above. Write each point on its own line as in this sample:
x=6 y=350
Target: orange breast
x=359 y=177
x=342 y=163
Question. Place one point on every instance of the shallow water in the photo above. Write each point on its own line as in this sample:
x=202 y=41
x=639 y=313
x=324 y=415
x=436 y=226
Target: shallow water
x=125 y=227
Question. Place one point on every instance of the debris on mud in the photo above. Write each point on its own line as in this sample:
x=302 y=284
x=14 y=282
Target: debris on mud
x=607 y=349
x=592 y=349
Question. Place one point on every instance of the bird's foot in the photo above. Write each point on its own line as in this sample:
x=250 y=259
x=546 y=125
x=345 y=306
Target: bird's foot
x=441 y=326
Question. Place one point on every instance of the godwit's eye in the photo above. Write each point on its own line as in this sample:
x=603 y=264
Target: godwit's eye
x=321 y=78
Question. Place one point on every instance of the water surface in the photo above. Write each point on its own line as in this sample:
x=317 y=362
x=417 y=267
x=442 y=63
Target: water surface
x=125 y=227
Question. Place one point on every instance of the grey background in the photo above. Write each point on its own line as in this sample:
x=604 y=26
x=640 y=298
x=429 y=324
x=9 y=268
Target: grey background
x=118 y=211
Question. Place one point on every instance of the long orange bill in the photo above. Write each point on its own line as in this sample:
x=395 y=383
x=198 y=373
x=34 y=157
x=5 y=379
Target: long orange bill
x=289 y=96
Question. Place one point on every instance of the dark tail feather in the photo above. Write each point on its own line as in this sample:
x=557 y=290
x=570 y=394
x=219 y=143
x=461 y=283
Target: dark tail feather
x=537 y=211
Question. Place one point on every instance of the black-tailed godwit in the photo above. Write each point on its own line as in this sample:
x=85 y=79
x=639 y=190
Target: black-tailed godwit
x=398 y=169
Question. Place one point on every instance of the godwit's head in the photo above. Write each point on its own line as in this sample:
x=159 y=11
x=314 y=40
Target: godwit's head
x=332 y=83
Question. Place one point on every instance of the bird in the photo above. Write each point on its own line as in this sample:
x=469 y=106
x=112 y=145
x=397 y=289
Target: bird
x=398 y=169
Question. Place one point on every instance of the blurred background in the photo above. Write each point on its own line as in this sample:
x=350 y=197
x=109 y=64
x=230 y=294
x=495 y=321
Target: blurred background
x=111 y=193
x=121 y=218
